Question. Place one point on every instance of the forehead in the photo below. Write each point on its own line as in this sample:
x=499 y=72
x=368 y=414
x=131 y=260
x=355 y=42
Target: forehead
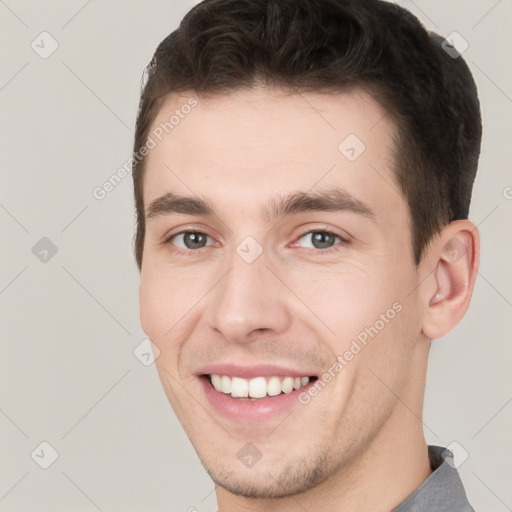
x=270 y=115
x=249 y=144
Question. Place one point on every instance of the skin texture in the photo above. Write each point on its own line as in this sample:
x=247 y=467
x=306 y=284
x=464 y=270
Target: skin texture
x=359 y=443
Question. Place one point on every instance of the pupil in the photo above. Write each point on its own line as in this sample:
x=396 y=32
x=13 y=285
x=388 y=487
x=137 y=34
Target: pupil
x=322 y=240
x=194 y=240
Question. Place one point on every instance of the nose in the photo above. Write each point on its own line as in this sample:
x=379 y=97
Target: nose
x=248 y=302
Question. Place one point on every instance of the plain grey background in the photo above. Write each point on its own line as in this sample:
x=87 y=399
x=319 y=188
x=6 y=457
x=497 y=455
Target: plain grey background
x=69 y=321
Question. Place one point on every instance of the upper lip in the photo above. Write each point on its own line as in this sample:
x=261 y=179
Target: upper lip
x=249 y=372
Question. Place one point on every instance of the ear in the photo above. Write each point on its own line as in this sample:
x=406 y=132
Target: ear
x=454 y=258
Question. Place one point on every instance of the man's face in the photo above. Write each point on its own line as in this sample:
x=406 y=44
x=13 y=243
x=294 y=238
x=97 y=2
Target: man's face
x=271 y=291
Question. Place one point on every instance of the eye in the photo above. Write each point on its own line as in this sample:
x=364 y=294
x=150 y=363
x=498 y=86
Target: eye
x=189 y=240
x=322 y=240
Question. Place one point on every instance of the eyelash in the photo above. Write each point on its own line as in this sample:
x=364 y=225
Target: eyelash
x=327 y=231
x=196 y=252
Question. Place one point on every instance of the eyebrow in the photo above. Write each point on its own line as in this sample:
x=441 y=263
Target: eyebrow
x=331 y=200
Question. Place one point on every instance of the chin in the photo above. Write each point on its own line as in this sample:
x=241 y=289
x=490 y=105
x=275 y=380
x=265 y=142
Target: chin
x=270 y=481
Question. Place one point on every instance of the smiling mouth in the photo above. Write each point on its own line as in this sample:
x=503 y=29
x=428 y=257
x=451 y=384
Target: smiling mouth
x=257 y=387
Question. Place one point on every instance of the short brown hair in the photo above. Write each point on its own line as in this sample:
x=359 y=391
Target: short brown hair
x=332 y=46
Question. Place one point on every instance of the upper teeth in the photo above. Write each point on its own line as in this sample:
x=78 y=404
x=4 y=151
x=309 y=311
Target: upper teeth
x=258 y=387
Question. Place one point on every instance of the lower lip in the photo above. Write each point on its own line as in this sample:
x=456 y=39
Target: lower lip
x=251 y=410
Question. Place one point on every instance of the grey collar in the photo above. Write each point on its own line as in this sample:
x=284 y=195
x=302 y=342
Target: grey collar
x=442 y=491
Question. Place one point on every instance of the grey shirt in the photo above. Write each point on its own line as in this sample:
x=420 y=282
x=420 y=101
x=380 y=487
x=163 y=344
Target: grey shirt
x=442 y=491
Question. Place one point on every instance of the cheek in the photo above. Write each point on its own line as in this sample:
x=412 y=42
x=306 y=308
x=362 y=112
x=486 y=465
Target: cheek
x=170 y=302
x=359 y=306
x=164 y=316
x=162 y=303
x=344 y=301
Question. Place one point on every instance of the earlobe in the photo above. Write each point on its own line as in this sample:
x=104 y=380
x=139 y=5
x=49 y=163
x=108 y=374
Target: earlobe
x=456 y=258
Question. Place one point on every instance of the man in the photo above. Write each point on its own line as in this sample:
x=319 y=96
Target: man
x=303 y=173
